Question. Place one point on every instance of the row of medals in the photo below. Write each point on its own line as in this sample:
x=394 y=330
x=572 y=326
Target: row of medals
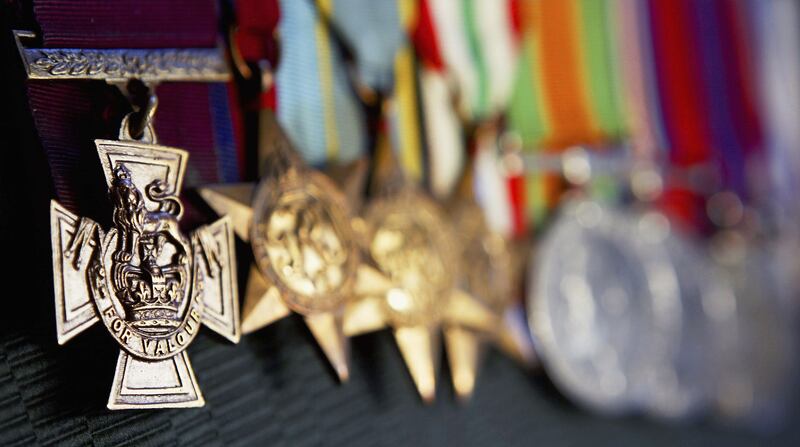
x=399 y=262
x=624 y=314
x=631 y=315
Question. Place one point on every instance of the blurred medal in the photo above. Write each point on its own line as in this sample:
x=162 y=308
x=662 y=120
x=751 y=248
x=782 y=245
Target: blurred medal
x=675 y=373
x=754 y=322
x=151 y=285
x=616 y=309
x=588 y=308
x=306 y=256
x=408 y=237
x=490 y=271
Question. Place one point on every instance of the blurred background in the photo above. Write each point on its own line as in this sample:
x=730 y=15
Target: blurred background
x=644 y=153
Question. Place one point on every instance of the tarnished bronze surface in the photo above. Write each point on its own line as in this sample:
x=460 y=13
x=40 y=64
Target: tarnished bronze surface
x=307 y=258
x=409 y=239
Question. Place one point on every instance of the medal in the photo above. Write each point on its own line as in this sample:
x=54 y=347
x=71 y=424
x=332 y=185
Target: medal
x=616 y=310
x=407 y=236
x=490 y=272
x=306 y=256
x=586 y=309
x=675 y=374
x=752 y=314
x=151 y=285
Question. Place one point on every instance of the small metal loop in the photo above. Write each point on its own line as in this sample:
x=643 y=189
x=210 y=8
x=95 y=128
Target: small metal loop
x=149 y=112
x=147 y=133
x=138 y=125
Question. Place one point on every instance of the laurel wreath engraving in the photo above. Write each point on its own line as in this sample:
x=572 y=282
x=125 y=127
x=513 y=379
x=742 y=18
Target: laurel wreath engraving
x=125 y=63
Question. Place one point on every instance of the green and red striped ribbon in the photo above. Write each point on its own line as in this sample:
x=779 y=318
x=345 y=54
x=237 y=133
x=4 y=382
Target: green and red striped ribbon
x=567 y=90
x=468 y=52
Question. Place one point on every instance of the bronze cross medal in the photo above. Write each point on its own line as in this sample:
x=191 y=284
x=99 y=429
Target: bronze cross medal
x=151 y=285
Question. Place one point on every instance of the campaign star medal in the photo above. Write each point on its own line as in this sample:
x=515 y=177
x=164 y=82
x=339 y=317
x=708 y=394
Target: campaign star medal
x=306 y=256
x=410 y=241
x=490 y=272
x=151 y=285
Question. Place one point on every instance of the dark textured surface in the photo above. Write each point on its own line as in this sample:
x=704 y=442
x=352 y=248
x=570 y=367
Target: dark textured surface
x=274 y=388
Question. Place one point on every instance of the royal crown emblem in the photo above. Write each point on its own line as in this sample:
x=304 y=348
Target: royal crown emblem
x=150 y=285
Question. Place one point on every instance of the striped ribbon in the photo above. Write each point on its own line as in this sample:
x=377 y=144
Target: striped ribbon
x=493 y=40
x=642 y=110
x=315 y=102
x=492 y=191
x=406 y=126
x=256 y=42
x=468 y=51
x=777 y=26
x=448 y=19
x=706 y=83
x=571 y=75
x=494 y=50
x=444 y=135
x=567 y=89
x=728 y=83
x=478 y=50
x=437 y=159
x=375 y=31
x=199 y=117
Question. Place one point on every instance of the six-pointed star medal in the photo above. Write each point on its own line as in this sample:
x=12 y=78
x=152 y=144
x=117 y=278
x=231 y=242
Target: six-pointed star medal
x=490 y=272
x=409 y=240
x=150 y=285
x=306 y=257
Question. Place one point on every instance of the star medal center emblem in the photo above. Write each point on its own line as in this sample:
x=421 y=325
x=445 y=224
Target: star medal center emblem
x=409 y=240
x=412 y=249
x=303 y=242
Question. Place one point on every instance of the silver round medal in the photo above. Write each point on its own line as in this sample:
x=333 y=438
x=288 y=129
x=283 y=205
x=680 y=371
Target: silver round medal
x=674 y=375
x=589 y=310
x=756 y=347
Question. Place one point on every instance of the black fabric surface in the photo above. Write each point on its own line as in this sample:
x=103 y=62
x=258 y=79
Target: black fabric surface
x=274 y=388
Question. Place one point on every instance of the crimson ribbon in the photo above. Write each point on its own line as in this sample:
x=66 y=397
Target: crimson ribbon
x=424 y=36
x=201 y=118
x=256 y=39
